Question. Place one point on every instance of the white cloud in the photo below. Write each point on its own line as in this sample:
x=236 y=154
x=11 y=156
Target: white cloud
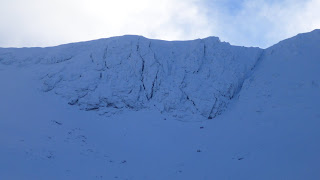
x=42 y=23
x=254 y=23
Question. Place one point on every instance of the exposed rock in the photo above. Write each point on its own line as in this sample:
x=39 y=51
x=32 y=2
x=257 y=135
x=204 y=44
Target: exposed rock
x=196 y=77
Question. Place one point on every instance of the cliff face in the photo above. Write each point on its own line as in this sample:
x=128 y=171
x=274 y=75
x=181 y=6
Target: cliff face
x=196 y=77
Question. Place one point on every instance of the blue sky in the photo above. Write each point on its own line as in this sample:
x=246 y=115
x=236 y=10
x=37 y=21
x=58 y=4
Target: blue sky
x=241 y=22
x=231 y=6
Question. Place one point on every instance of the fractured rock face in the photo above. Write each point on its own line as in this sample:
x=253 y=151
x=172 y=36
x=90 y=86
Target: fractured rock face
x=131 y=72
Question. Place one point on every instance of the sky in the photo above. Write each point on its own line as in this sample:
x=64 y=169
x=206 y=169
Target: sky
x=259 y=23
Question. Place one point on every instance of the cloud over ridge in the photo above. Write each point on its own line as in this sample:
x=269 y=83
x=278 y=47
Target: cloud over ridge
x=247 y=22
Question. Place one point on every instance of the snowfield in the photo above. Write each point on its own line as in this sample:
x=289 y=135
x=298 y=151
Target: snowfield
x=134 y=108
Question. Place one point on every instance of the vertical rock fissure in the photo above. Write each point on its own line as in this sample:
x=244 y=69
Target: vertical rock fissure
x=105 y=55
x=203 y=59
x=142 y=68
x=212 y=109
x=153 y=84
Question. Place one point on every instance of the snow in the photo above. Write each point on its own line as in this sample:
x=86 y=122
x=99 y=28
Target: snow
x=193 y=78
x=267 y=100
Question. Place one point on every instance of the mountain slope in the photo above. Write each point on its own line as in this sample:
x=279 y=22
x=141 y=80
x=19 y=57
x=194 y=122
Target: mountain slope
x=275 y=119
x=270 y=129
x=181 y=78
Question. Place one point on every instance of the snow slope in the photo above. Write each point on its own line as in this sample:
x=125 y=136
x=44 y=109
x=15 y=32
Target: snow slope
x=270 y=129
x=275 y=120
x=131 y=72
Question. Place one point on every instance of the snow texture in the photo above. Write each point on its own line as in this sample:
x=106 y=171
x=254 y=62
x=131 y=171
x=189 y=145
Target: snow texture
x=196 y=77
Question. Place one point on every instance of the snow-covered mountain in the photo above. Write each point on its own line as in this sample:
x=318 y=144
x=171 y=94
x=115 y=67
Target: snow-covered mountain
x=132 y=72
x=264 y=105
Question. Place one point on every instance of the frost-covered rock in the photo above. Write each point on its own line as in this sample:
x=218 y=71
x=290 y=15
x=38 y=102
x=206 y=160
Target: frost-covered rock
x=131 y=72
